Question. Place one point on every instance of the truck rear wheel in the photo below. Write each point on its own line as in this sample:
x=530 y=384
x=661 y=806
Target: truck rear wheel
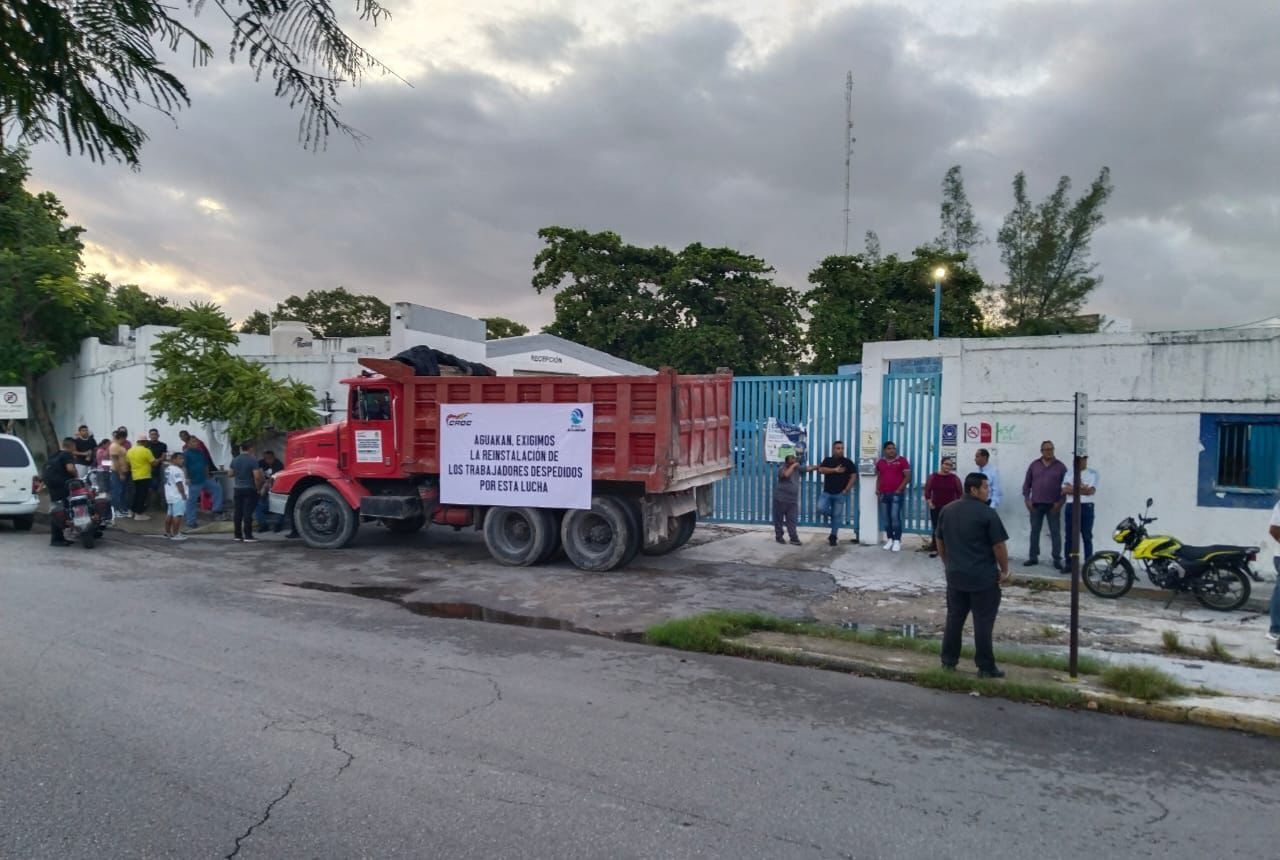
x=324 y=519
x=679 y=530
x=688 y=522
x=601 y=537
x=519 y=536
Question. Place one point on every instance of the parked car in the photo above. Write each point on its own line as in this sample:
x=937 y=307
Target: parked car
x=19 y=483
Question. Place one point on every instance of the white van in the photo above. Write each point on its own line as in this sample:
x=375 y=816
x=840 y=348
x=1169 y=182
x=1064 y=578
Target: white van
x=19 y=483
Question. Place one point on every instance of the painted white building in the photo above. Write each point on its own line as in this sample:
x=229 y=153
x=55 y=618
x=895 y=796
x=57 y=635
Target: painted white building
x=1191 y=419
x=103 y=385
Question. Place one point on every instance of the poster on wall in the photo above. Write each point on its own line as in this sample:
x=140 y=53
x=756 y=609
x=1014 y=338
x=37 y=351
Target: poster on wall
x=516 y=454
x=782 y=440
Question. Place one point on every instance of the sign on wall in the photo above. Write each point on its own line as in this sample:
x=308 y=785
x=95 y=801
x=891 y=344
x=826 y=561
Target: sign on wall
x=516 y=454
x=949 y=435
x=13 y=403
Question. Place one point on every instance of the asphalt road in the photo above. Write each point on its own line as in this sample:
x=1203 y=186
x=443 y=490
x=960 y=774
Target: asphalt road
x=161 y=704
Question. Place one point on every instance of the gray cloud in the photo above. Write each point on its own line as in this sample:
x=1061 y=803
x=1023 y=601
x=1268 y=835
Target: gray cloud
x=665 y=140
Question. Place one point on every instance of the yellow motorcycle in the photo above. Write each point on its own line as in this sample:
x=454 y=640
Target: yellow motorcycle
x=1219 y=575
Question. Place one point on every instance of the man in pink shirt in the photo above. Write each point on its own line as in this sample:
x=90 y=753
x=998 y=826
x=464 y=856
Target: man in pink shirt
x=893 y=475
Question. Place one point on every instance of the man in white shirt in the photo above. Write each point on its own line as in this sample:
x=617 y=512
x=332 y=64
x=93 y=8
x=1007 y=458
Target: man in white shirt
x=982 y=460
x=1274 y=530
x=1088 y=489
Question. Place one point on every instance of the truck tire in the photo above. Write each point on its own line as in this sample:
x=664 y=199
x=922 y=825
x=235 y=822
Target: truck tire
x=405 y=527
x=519 y=536
x=598 y=538
x=679 y=530
x=555 y=552
x=324 y=519
x=632 y=507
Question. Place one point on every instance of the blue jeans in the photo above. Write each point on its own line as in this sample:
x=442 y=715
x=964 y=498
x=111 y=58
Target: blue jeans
x=891 y=515
x=833 y=505
x=193 y=503
x=118 y=502
x=215 y=491
x=1086 y=529
x=262 y=516
x=1275 y=599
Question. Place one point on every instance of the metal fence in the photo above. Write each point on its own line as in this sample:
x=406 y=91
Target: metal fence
x=912 y=411
x=827 y=408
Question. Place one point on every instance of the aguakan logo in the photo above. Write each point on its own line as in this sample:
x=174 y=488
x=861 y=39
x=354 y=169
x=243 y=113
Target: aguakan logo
x=576 y=417
x=459 y=419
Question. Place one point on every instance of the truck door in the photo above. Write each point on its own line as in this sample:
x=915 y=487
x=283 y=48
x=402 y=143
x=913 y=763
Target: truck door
x=374 y=448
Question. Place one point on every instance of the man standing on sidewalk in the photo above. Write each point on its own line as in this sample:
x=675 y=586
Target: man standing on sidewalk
x=59 y=469
x=85 y=444
x=786 y=500
x=893 y=474
x=1274 y=530
x=972 y=546
x=1042 y=492
x=982 y=460
x=197 y=464
x=839 y=477
x=247 y=482
x=119 y=473
x=141 y=461
x=1088 y=489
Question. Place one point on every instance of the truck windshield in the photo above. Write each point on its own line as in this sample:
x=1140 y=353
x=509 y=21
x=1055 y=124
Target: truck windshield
x=372 y=404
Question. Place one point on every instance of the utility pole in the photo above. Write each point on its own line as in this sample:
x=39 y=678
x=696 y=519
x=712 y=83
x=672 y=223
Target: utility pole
x=848 y=152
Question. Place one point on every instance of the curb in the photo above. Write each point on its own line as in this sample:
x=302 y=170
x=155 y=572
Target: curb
x=1111 y=703
x=1048 y=583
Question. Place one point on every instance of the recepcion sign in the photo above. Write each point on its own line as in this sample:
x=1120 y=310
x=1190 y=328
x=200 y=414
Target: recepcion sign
x=13 y=403
x=516 y=454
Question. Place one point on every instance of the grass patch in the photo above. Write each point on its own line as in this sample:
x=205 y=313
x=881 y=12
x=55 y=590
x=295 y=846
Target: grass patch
x=711 y=633
x=1048 y=631
x=1142 y=682
x=1045 y=694
x=1218 y=651
x=1171 y=643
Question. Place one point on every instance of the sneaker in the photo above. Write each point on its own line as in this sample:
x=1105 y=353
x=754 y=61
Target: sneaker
x=933 y=555
x=897 y=546
x=167 y=536
x=990 y=673
x=854 y=541
x=141 y=517
x=796 y=542
x=780 y=540
x=60 y=543
x=948 y=667
x=250 y=540
x=293 y=536
x=831 y=540
x=888 y=545
x=1273 y=636
x=239 y=540
x=179 y=536
x=1031 y=562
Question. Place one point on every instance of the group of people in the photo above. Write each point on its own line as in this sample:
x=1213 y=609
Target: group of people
x=136 y=471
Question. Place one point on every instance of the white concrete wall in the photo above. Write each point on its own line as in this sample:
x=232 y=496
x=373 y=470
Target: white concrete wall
x=545 y=361
x=415 y=325
x=1146 y=394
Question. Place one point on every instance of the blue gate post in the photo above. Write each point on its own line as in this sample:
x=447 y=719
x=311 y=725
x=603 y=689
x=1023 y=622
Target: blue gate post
x=912 y=419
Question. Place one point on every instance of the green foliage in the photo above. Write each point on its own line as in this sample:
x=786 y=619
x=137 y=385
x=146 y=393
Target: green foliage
x=696 y=310
x=328 y=313
x=75 y=68
x=198 y=379
x=496 y=328
x=961 y=232
x=134 y=307
x=1046 y=251
x=1142 y=682
x=46 y=308
x=855 y=300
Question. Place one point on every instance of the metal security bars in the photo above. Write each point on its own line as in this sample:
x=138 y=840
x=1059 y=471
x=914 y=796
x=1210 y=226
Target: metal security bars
x=826 y=406
x=912 y=413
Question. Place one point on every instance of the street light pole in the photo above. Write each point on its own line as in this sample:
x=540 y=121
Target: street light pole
x=938 y=274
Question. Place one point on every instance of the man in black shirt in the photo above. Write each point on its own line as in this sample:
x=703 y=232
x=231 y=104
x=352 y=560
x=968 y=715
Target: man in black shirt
x=159 y=450
x=972 y=545
x=85 y=443
x=839 y=477
x=60 y=468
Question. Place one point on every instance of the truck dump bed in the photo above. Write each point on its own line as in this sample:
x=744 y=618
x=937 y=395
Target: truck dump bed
x=667 y=431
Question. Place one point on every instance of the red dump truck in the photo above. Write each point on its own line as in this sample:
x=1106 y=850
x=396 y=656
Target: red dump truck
x=657 y=444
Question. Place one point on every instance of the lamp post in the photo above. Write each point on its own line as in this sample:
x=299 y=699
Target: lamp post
x=938 y=274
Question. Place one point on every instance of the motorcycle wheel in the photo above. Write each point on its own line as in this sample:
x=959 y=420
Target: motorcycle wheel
x=1224 y=589
x=1107 y=574
x=87 y=538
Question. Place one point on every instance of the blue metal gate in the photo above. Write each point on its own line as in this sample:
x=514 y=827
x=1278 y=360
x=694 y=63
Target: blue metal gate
x=827 y=408
x=912 y=410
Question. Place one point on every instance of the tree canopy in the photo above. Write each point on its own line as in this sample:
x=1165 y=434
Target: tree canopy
x=697 y=310
x=496 y=328
x=855 y=300
x=73 y=70
x=135 y=307
x=46 y=307
x=197 y=378
x=1046 y=251
x=961 y=232
x=328 y=313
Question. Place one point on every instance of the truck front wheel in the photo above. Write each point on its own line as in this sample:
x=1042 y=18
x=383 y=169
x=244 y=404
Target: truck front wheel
x=519 y=536
x=600 y=538
x=324 y=518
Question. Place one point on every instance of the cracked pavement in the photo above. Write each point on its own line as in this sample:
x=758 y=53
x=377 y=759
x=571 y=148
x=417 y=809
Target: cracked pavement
x=159 y=703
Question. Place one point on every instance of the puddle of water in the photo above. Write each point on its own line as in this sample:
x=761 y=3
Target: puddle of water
x=459 y=611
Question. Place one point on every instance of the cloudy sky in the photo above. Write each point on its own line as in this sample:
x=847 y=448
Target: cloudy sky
x=717 y=121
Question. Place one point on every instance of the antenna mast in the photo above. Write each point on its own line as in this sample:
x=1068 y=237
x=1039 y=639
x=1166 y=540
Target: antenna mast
x=848 y=152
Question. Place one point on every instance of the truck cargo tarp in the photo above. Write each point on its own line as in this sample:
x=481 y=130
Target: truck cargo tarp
x=426 y=361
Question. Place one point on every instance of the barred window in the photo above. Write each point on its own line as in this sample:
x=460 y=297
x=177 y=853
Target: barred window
x=1248 y=456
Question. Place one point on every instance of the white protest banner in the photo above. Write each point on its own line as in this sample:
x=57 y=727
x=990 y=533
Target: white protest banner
x=13 y=402
x=516 y=454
